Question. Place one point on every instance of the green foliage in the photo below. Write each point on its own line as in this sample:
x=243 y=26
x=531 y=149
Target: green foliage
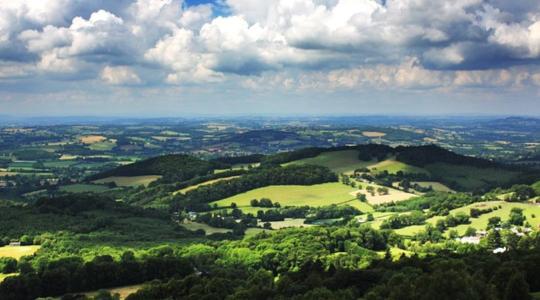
x=403 y=220
x=174 y=167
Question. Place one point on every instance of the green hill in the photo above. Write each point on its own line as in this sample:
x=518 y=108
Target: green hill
x=172 y=168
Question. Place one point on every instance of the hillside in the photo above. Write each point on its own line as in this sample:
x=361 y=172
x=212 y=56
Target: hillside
x=172 y=168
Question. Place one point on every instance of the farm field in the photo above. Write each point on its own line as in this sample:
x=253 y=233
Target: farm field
x=129 y=180
x=373 y=134
x=190 y=188
x=207 y=228
x=468 y=176
x=91 y=139
x=437 y=186
x=122 y=292
x=17 y=251
x=293 y=195
x=345 y=161
x=392 y=166
x=394 y=195
x=4 y=276
x=84 y=188
x=289 y=222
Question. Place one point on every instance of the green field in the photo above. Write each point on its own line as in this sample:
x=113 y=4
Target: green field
x=481 y=222
x=59 y=164
x=17 y=251
x=3 y=276
x=437 y=186
x=129 y=180
x=207 y=228
x=102 y=146
x=470 y=177
x=296 y=195
x=345 y=161
x=122 y=292
x=192 y=187
x=84 y=188
x=393 y=166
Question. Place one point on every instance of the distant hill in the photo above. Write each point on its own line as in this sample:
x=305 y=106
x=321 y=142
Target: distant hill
x=173 y=168
x=261 y=136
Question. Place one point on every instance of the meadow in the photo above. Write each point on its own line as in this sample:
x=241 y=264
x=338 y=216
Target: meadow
x=294 y=195
x=392 y=166
x=192 y=187
x=131 y=181
x=345 y=161
x=17 y=251
x=84 y=188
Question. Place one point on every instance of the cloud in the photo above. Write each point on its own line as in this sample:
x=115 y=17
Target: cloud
x=120 y=75
x=413 y=44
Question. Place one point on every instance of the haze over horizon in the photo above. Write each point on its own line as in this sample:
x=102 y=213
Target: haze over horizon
x=152 y=58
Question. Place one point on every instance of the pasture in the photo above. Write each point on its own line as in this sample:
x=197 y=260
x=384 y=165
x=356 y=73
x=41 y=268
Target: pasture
x=129 y=181
x=207 y=228
x=122 y=292
x=470 y=177
x=293 y=195
x=84 y=188
x=91 y=139
x=17 y=251
x=373 y=134
x=289 y=222
x=437 y=186
x=481 y=222
x=345 y=161
x=393 y=166
x=193 y=187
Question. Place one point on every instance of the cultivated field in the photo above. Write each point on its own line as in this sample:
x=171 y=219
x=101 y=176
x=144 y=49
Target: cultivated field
x=345 y=161
x=91 y=139
x=17 y=251
x=373 y=134
x=129 y=180
x=394 y=195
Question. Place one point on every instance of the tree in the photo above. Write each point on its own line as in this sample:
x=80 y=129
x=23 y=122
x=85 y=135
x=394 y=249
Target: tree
x=493 y=222
x=361 y=197
x=494 y=240
x=516 y=217
x=517 y=288
x=370 y=217
x=471 y=231
x=233 y=205
x=254 y=202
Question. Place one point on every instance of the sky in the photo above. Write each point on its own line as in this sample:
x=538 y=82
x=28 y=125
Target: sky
x=278 y=57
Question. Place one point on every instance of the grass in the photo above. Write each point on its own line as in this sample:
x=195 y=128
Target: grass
x=207 y=228
x=437 y=186
x=470 y=177
x=91 y=139
x=373 y=134
x=297 y=195
x=288 y=222
x=4 y=276
x=59 y=164
x=345 y=161
x=481 y=222
x=189 y=188
x=129 y=180
x=102 y=146
x=122 y=292
x=17 y=251
x=393 y=166
x=84 y=188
